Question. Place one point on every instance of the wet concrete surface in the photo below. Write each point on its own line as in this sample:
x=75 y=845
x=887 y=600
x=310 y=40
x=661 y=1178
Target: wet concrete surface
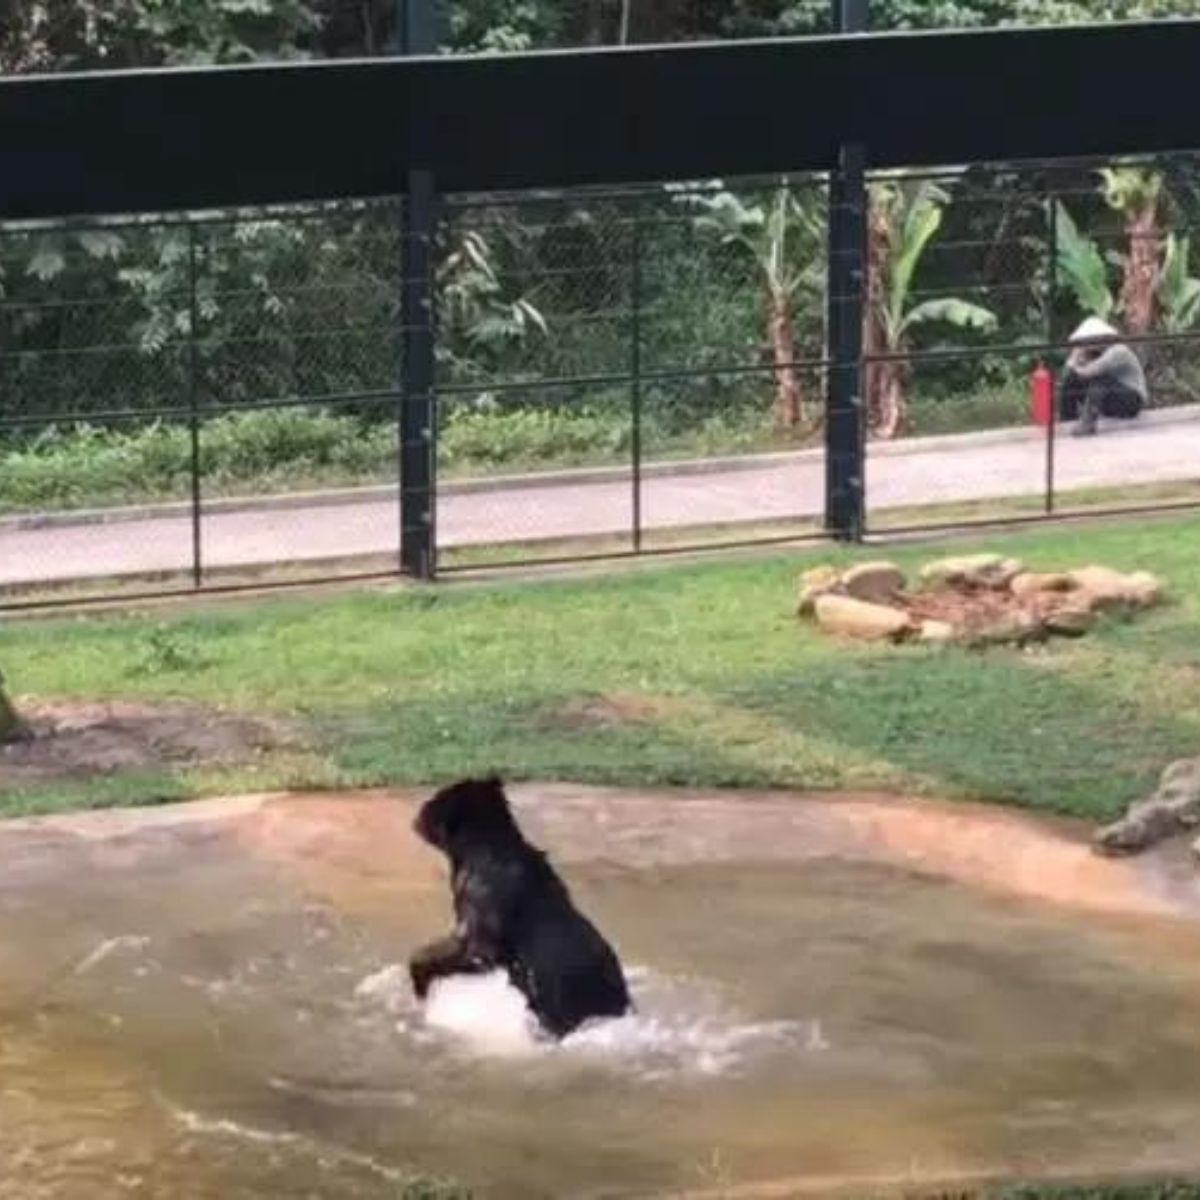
x=205 y=1000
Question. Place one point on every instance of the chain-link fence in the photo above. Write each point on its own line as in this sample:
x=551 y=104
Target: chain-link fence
x=228 y=399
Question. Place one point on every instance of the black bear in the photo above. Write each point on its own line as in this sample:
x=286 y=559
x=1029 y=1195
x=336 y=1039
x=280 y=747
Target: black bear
x=512 y=911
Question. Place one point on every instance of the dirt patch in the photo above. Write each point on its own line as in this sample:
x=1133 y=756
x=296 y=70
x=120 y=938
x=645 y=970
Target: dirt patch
x=612 y=710
x=73 y=740
x=971 y=612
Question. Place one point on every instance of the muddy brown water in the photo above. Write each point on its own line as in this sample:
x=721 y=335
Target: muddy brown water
x=203 y=1001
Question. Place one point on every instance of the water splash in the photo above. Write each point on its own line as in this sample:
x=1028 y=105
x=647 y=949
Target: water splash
x=679 y=1027
x=217 y=1127
x=196 y=1123
x=106 y=949
x=486 y=1013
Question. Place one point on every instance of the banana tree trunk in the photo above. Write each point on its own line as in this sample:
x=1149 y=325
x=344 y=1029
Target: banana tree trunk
x=893 y=400
x=878 y=389
x=789 y=399
x=1140 y=286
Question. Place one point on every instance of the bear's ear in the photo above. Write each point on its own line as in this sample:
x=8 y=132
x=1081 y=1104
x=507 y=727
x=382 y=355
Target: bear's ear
x=493 y=783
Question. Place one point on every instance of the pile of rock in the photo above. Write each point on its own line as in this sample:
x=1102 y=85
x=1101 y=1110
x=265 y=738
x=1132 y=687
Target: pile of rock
x=1174 y=808
x=982 y=598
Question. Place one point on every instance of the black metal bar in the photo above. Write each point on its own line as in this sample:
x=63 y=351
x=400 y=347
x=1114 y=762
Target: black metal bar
x=194 y=406
x=599 y=379
x=845 y=466
x=844 y=418
x=653 y=551
x=115 y=600
x=417 y=27
x=125 y=142
x=1051 y=296
x=417 y=410
x=850 y=16
x=635 y=371
x=1061 y=517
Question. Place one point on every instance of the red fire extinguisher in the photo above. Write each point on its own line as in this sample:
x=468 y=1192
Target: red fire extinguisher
x=1041 y=395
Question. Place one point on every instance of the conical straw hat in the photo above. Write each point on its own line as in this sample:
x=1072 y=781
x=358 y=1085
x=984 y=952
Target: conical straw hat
x=1092 y=330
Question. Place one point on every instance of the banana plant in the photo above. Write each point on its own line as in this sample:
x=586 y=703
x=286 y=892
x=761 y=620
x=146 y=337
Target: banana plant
x=1178 y=291
x=1178 y=299
x=481 y=317
x=904 y=217
x=782 y=235
x=1081 y=267
x=1136 y=193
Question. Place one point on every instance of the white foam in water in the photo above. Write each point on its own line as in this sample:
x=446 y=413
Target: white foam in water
x=486 y=1012
x=679 y=1026
x=107 y=948
x=388 y=987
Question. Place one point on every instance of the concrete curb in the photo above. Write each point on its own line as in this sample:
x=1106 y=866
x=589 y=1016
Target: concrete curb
x=335 y=497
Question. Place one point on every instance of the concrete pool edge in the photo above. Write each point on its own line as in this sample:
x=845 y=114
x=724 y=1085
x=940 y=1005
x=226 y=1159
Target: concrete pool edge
x=1000 y=849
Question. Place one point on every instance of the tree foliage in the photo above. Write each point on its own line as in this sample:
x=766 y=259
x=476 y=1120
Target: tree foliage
x=782 y=234
x=904 y=217
x=304 y=307
x=1081 y=267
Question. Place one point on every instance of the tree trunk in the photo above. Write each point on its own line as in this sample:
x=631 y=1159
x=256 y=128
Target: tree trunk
x=1140 y=286
x=12 y=728
x=893 y=403
x=789 y=400
x=875 y=385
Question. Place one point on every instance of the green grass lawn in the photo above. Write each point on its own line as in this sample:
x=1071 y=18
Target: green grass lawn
x=677 y=674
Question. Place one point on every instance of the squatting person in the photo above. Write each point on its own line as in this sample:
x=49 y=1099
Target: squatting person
x=1104 y=378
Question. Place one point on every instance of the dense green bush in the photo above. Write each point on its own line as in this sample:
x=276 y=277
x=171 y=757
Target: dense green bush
x=289 y=449
x=85 y=465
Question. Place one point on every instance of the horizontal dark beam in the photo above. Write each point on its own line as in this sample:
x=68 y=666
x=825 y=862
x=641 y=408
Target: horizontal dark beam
x=153 y=141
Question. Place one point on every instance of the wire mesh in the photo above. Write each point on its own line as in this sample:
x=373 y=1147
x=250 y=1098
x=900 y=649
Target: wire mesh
x=208 y=399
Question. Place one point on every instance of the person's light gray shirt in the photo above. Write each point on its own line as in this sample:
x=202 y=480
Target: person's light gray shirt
x=1118 y=363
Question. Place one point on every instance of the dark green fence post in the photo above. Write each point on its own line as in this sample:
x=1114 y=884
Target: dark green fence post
x=845 y=426
x=194 y=400
x=1051 y=333
x=635 y=368
x=417 y=34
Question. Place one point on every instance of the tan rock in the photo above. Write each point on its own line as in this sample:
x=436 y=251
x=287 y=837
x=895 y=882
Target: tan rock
x=1035 y=583
x=938 y=633
x=819 y=581
x=877 y=582
x=1018 y=627
x=1069 y=620
x=972 y=571
x=1172 y=808
x=859 y=619
x=1107 y=590
x=1146 y=588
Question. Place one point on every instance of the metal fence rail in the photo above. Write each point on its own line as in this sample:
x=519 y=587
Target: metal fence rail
x=357 y=389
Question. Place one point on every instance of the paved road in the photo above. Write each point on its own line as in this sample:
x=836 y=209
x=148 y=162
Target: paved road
x=1166 y=448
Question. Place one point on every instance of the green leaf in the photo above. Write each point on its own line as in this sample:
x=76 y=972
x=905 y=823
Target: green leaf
x=1178 y=292
x=47 y=263
x=921 y=219
x=960 y=313
x=102 y=243
x=1081 y=267
x=532 y=315
x=1130 y=188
